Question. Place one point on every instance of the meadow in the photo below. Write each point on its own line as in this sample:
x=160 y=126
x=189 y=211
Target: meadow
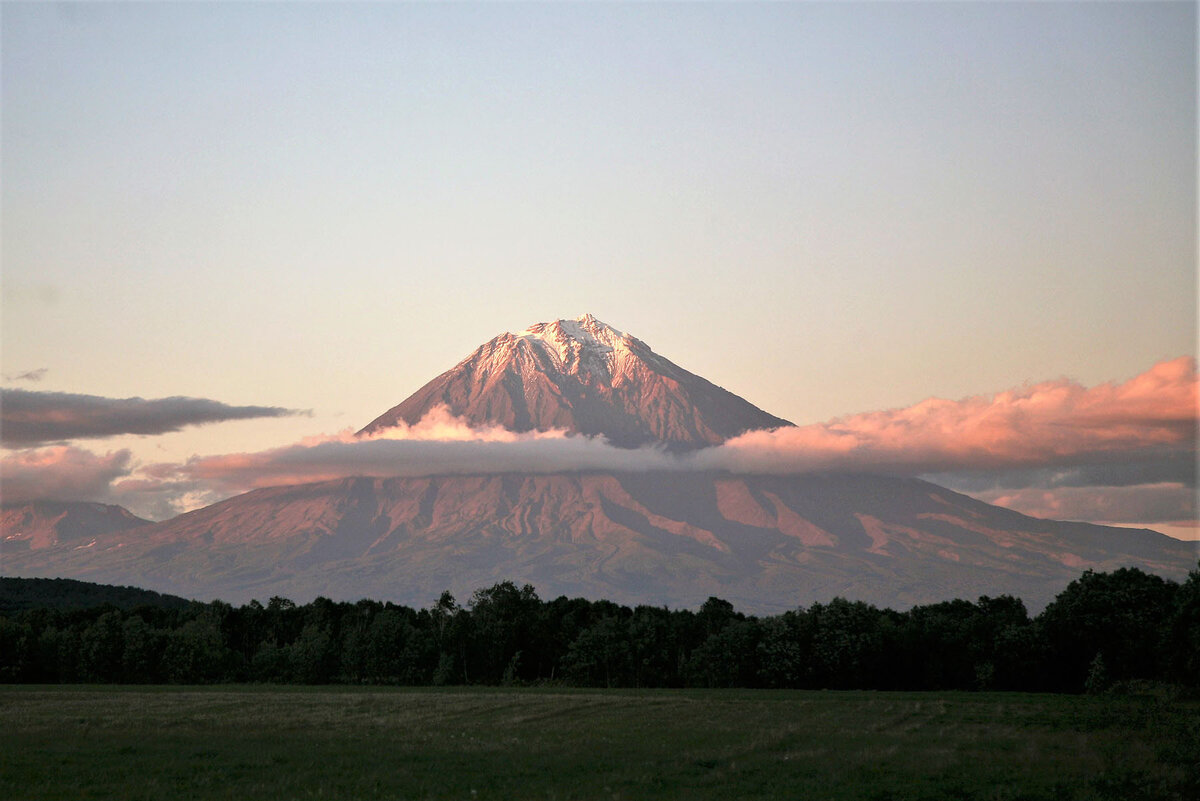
x=273 y=742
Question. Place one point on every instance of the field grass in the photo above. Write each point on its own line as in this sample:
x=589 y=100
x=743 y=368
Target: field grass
x=350 y=743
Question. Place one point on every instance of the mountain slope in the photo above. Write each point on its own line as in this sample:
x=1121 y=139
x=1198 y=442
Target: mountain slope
x=585 y=377
x=766 y=543
x=45 y=524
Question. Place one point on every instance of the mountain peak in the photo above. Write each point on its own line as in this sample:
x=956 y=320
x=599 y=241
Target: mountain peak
x=585 y=329
x=583 y=345
x=585 y=377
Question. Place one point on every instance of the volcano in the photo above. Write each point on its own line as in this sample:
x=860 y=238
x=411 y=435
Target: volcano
x=585 y=377
x=676 y=537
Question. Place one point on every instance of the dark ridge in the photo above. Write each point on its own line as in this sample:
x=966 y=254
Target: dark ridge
x=60 y=593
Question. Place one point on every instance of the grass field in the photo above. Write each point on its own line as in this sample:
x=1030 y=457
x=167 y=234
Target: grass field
x=349 y=743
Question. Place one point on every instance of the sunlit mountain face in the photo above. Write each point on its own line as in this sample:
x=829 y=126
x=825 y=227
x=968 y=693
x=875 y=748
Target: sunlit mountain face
x=583 y=376
x=46 y=524
x=766 y=543
x=664 y=536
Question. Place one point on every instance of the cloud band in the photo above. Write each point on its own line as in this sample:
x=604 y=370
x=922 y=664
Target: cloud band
x=29 y=418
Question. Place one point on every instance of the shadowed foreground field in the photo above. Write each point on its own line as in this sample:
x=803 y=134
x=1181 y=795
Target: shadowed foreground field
x=346 y=743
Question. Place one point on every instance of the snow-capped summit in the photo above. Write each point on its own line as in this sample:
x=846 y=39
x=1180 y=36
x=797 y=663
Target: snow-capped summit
x=587 y=377
x=584 y=332
x=584 y=344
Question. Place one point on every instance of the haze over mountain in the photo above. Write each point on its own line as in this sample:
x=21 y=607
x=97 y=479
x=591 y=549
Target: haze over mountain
x=583 y=376
x=663 y=536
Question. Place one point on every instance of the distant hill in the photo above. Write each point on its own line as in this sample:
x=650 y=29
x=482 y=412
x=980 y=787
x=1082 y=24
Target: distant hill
x=47 y=524
x=59 y=593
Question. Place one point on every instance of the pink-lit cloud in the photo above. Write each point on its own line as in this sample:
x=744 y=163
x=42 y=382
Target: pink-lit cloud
x=1053 y=423
x=61 y=473
x=1116 y=451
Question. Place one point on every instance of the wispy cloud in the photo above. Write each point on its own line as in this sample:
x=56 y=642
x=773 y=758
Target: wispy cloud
x=29 y=418
x=28 y=375
x=1140 y=503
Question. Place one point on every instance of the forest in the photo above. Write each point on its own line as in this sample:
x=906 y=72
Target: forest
x=1103 y=631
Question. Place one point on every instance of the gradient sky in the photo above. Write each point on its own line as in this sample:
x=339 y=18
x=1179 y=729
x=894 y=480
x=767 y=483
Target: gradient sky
x=825 y=208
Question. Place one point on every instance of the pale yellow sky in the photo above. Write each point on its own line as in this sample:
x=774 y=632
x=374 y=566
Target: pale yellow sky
x=825 y=208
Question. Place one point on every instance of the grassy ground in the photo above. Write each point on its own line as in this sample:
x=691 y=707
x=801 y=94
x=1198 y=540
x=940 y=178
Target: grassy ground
x=347 y=743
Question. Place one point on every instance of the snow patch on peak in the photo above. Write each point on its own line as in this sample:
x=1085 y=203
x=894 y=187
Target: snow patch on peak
x=584 y=328
x=597 y=327
x=584 y=344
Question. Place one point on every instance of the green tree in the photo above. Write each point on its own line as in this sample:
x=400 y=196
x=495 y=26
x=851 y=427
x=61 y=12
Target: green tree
x=195 y=653
x=504 y=620
x=270 y=663
x=1120 y=614
x=450 y=629
x=654 y=648
x=101 y=647
x=312 y=658
x=142 y=652
x=385 y=648
x=847 y=645
x=16 y=645
x=600 y=655
x=785 y=651
x=1181 y=636
x=728 y=658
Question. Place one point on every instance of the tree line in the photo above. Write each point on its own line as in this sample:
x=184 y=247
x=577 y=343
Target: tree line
x=1103 y=629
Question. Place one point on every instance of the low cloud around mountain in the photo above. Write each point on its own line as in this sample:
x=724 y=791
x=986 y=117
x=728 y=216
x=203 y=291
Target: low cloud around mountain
x=1044 y=448
x=1051 y=424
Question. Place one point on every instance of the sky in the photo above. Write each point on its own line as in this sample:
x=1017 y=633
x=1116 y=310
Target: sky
x=303 y=212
